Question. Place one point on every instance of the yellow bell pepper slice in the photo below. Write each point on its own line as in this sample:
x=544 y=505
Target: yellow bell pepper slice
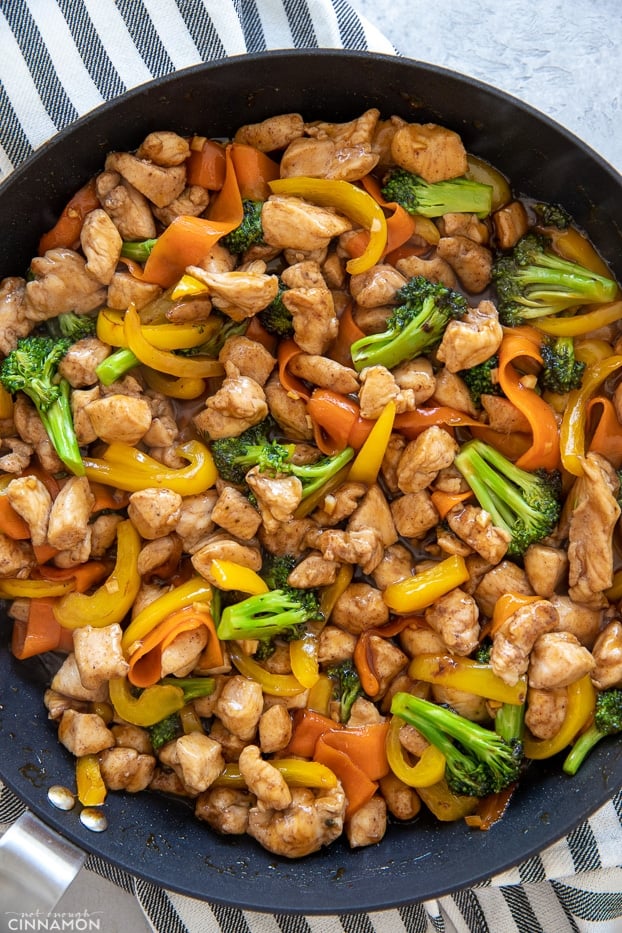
x=430 y=768
x=128 y=468
x=284 y=685
x=6 y=404
x=331 y=593
x=459 y=673
x=417 y=592
x=188 y=286
x=368 y=461
x=154 y=704
x=573 y=426
x=581 y=704
x=110 y=329
x=195 y=590
x=320 y=695
x=303 y=657
x=89 y=782
x=13 y=588
x=351 y=201
x=163 y=360
x=296 y=771
x=182 y=387
x=579 y=324
x=591 y=350
x=228 y=575
x=112 y=601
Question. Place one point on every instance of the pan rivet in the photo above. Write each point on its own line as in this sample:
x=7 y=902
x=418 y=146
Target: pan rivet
x=61 y=797
x=94 y=820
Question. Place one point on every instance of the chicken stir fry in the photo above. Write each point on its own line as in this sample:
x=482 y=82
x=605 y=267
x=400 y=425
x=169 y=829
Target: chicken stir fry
x=310 y=476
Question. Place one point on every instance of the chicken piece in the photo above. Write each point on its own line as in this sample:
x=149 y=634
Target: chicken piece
x=466 y=704
x=546 y=711
x=222 y=547
x=359 y=608
x=368 y=824
x=312 y=820
x=340 y=504
x=506 y=577
x=370 y=320
x=165 y=781
x=62 y=283
x=434 y=268
x=471 y=262
x=182 y=655
x=239 y=404
x=558 y=659
x=293 y=223
x=511 y=223
x=277 y=497
x=474 y=526
x=101 y=243
x=418 y=376
x=324 y=372
x=194 y=309
x=67 y=681
x=351 y=547
x=126 y=769
x=288 y=410
x=378 y=388
x=377 y=286
x=164 y=148
x=455 y=222
x=159 y=184
x=336 y=150
x=387 y=661
x=195 y=521
x=103 y=534
x=16 y=557
x=402 y=801
x=433 y=450
x=14 y=455
x=363 y=712
x=14 y=321
x=503 y=415
x=119 y=418
x=30 y=428
x=249 y=356
x=239 y=294
x=128 y=209
x=31 y=499
x=192 y=201
x=196 y=759
x=70 y=514
x=431 y=151
x=335 y=645
x=421 y=639
x=230 y=743
x=275 y=729
x=240 y=706
x=449 y=543
x=154 y=512
x=414 y=514
x=314 y=319
x=582 y=621
x=607 y=654
x=224 y=809
x=163 y=432
x=545 y=568
x=233 y=512
x=306 y=273
x=84 y=733
x=471 y=340
x=455 y=616
x=514 y=640
x=56 y=704
x=79 y=363
x=373 y=512
x=264 y=780
x=313 y=571
x=397 y=564
x=128 y=736
x=590 y=536
x=273 y=133
x=451 y=390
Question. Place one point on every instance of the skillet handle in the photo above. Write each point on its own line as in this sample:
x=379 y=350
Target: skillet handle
x=36 y=867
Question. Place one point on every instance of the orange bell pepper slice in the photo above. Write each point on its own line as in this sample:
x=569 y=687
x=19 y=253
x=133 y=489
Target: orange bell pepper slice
x=146 y=660
x=607 y=436
x=66 y=230
x=206 y=164
x=39 y=632
x=358 y=787
x=348 y=332
x=445 y=501
x=400 y=224
x=337 y=421
x=506 y=605
x=363 y=658
x=412 y=423
x=294 y=386
x=11 y=523
x=253 y=170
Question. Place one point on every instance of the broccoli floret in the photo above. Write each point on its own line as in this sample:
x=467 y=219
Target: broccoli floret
x=482 y=652
x=526 y=505
x=138 y=250
x=165 y=731
x=560 y=372
x=433 y=199
x=533 y=281
x=347 y=686
x=213 y=345
x=32 y=368
x=483 y=763
x=276 y=318
x=268 y=614
x=553 y=215
x=276 y=568
x=417 y=324
x=607 y=721
x=70 y=324
x=250 y=230
x=480 y=379
x=235 y=456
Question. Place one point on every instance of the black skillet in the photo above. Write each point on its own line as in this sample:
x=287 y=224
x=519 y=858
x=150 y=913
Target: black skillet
x=158 y=838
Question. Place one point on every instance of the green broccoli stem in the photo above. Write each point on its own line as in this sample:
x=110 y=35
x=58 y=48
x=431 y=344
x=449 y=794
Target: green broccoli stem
x=139 y=250
x=58 y=422
x=581 y=749
x=116 y=365
x=510 y=722
x=424 y=715
x=315 y=475
x=389 y=349
x=266 y=614
x=193 y=687
x=492 y=492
